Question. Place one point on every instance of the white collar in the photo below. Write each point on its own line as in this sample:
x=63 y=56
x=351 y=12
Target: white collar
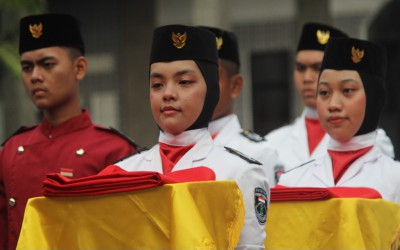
x=183 y=139
x=355 y=143
x=218 y=124
x=310 y=113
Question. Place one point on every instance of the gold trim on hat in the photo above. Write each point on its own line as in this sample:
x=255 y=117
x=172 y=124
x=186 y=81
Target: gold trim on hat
x=220 y=41
x=36 y=30
x=356 y=55
x=323 y=36
x=179 y=41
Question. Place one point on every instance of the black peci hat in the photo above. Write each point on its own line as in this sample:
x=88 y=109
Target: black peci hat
x=355 y=54
x=47 y=30
x=181 y=42
x=314 y=36
x=227 y=44
x=370 y=61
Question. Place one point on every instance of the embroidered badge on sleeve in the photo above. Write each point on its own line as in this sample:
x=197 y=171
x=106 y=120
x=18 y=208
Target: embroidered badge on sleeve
x=261 y=205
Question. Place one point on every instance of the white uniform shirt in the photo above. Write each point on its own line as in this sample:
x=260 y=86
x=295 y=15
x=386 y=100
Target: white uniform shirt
x=229 y=133
x=226 y=166
x=291 y=143
x=373 y=169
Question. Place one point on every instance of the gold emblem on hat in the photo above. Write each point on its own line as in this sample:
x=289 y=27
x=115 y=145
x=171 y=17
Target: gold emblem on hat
x=36 y=30
x=323 y=36
x=356 y=55
x=179 y=41
x=220 y=41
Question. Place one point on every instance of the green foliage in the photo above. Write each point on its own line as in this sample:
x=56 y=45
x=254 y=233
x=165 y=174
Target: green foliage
x=29 y=6
x=10 y=13
x=9 y=58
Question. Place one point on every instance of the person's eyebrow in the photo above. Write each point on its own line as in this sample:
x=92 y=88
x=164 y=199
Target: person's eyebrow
x=40 y=61
x=349 y=80
x=183 y=72
x=156 y=74
x=179 y=73
x=323 y=83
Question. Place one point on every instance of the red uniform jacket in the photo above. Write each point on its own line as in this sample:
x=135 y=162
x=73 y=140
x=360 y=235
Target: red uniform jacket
x=75 y=148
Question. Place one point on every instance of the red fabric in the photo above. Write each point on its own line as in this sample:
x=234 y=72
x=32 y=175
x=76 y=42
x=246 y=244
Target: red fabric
x=113 y=179
x=214 y=135
x=23 y=173
x=315 y=133
x=282 y=193
x=192 y=175
x=170 y=155
x=3 y=214
x=342 y=160
x=354 y=192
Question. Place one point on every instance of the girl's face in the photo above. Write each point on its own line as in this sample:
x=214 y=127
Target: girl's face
x=177 y=93
x=341 y=103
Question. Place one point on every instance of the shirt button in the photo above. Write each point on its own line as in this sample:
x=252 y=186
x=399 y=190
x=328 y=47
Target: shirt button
x=20 y=149
x=80 y=152
x=11 y=202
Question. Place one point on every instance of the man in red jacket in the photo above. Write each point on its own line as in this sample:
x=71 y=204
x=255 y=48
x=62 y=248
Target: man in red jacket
x=66 y=141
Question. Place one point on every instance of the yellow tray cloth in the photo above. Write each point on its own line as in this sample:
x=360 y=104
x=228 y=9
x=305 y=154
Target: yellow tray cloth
x=196 y=215
x=339 y=223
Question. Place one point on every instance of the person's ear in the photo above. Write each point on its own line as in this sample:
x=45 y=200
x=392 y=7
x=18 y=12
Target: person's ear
x=81 y=66
x=236 y=86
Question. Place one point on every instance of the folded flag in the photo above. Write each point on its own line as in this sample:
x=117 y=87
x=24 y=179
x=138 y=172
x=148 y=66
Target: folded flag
x=113 y=179
x=282 y=193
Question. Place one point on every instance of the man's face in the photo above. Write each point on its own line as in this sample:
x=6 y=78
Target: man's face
x=177 y=94
x=308 y=65
x=51 y=78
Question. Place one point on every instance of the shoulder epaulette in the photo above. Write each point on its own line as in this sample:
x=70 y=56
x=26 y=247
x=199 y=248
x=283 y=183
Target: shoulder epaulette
x=243 y=156
x=117 y=132
x=252 y=136
x=138 y=151
x=20 y=130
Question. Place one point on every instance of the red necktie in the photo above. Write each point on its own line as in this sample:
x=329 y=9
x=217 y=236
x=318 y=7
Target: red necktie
x=315 y=133
x=341 y=161
x=170 y=155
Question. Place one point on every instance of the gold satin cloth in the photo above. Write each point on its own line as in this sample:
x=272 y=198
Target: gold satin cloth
x=339 y=223
x=196 y=215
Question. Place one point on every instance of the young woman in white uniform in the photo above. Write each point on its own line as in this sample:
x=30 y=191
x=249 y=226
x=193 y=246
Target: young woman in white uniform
x=305 y=139
x=184 y=91
x=350 y=98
